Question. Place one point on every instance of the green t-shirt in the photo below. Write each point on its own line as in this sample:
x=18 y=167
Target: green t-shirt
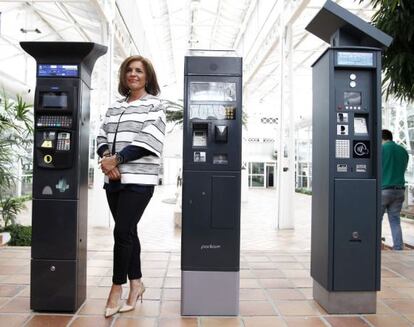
x=394 y=164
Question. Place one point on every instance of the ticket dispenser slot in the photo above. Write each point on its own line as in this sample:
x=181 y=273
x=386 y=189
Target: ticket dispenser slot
x=220 y=133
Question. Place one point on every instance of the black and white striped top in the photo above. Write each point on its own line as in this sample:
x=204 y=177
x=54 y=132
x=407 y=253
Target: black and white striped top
x=141 y=123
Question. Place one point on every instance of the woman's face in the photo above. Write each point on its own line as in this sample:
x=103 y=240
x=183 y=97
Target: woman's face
x=136 y=76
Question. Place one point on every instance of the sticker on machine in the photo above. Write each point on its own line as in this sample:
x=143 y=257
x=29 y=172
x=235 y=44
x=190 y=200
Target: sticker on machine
x=342 y=168
x=361 y=168
x=199 y=156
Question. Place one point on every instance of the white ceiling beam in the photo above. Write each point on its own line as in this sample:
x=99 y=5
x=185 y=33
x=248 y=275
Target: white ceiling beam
x=269 y=43
x=42 y=18
x=70 y=18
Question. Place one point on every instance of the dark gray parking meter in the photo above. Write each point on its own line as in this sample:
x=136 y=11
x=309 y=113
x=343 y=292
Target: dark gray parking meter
x=210 y=247
x=346 y=162
x=60 y=173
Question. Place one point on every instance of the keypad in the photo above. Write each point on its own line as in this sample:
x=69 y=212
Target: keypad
x=342 y=149
x=54 y=121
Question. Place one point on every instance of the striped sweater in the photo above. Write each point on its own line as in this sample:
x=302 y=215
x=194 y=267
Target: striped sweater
x=141 y=123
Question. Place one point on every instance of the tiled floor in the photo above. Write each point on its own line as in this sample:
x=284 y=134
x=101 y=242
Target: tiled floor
x=275 y=286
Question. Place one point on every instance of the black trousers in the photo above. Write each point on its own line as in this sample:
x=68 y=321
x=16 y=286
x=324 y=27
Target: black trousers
x=127 y=208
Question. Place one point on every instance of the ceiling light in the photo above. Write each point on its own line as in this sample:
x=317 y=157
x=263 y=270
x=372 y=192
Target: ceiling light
x=35 y=30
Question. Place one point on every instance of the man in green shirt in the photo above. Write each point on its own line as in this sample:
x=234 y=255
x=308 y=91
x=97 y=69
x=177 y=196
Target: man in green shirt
x=394 y=164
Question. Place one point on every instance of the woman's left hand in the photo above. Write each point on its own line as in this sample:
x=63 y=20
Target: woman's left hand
x=108 y=163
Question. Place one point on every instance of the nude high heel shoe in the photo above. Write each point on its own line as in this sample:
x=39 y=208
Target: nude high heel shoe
x=127 y=307
x=111 y=311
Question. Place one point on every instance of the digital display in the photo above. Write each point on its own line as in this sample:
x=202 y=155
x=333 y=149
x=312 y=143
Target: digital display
x=49 y=70
x=355 y=59
x=212 y=91
x=352 y=98
x=57 y=100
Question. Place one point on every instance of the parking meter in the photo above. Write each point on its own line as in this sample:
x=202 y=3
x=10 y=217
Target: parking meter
x=346 y=162
x=210 y=250
x=60 y=173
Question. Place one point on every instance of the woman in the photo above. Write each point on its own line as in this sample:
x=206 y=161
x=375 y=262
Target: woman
x=130 y=144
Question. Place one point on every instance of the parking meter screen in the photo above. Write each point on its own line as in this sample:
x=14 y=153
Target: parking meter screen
x=352 y=98
x=53 y=100
x=48 y=70
x=212 y=91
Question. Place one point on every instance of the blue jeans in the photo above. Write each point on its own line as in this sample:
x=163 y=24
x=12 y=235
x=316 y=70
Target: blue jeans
x=392 y=201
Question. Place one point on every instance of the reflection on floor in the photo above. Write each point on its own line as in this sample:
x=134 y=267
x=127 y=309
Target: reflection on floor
x=275 y=281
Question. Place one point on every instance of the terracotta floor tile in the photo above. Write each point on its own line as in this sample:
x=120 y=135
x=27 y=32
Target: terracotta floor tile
x=154 y=264
x=147 y=308
x=178 y=322
x=282 y=258
x=307 y=292
x=397 y=282
x=153 y=272
x=256 y=308
x=173 y=272
x=249 y=283
x=222 y=322
x=25 y=292
x=407 y=291
x=137 y=322
x=152 y=293
x=99 y=263
x=410 y=317
x=18 y=304
x=289 y=266
x=285 y=294
x=296 y=273
x=391 y=293
x=401 y=306
x=98 y=271
x=17 y=279
x=256 y=258
x=382 y=308
x=49 y=321
x=302 y=282
x=153 y=282
x=276 y=283
x=387 y=273
x=93 y=307
x=93 y=280
x=263 y=265
x=263 y=322
x=346 y=321
x=387 y=321
x=4 y=300
x=172 y=282
x=246 y=294
x=9 y=270
x=304 y=322
x=92 y=322
x=98 y=292
x=105 y=281
x=170 y=308
x=172 y=294
x=268 y=273
x=13 y=320
x=10 y=290
x=296 y=308
x=246 y=273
